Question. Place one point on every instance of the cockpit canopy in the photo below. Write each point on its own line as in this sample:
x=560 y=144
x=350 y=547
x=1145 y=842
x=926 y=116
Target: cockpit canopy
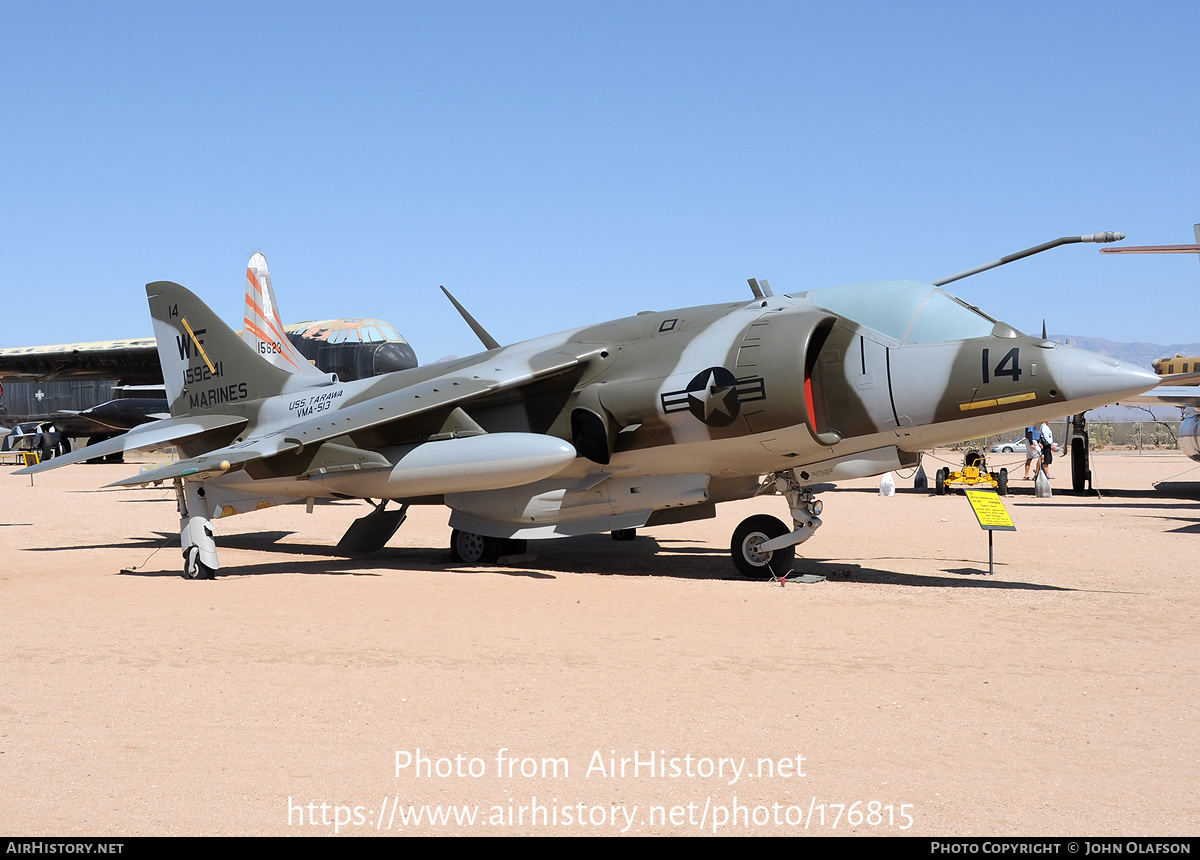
x=349 y=331
x=905 y=311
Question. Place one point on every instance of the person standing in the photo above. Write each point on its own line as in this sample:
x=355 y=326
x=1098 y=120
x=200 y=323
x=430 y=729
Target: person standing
x=1047 y=447
x=1032 y=448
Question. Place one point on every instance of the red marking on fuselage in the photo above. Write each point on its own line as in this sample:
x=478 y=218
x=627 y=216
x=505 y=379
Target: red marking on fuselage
x=808 y=402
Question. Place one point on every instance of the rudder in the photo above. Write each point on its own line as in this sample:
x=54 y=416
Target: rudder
x=205 y=364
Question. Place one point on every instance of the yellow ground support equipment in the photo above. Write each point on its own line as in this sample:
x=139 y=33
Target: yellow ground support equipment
x=974 y=474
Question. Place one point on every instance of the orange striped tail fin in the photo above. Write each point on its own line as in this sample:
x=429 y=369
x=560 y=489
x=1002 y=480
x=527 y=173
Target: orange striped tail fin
x=263 y=329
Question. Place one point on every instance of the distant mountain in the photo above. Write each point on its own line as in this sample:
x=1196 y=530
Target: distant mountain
x=1120 y=412
x=1141 y=354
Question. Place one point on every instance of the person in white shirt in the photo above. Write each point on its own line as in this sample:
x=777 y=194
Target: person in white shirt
x=1033 y=450
x=1047 y=447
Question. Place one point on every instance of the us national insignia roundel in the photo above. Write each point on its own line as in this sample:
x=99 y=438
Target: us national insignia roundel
x=714 y=396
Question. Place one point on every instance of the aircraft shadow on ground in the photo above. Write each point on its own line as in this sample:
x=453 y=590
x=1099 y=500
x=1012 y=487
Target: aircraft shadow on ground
x=332 y=561
x=951 y=491
x=147 y=501
x=673 y=559
x=1186 y=490
x=643 y=556
x=1192 y=527
x=839 y=571
x=1174 y=509
x=167 y=539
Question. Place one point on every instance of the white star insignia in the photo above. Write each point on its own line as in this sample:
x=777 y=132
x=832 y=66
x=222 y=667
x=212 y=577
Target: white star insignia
x=712 y=397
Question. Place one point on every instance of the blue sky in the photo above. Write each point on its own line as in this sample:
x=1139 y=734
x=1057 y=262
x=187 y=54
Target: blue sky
x=556 y=164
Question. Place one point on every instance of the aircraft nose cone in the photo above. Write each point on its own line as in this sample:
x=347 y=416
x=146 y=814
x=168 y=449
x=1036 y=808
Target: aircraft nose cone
x=1097 y=379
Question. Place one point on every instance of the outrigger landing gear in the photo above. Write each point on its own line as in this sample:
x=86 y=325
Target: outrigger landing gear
x=195 y=532
x=762 y=545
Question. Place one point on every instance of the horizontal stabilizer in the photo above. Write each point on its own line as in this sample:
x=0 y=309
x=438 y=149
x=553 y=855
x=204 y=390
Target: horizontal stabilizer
x=215 y=462
x=155 y=435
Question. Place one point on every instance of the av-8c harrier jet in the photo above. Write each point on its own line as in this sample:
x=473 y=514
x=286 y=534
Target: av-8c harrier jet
x=650 y=419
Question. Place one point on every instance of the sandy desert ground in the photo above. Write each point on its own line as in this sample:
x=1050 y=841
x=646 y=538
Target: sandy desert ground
x=910 y=692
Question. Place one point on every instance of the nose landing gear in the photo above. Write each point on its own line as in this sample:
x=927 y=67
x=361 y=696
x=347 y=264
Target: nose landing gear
x=762 y=545
x=750 y=558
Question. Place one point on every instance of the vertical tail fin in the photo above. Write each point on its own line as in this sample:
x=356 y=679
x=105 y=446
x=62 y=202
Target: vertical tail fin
x=263 y=329
x=205 y=365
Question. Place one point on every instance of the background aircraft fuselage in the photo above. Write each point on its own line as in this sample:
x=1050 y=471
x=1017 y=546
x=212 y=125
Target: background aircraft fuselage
x=98 y=389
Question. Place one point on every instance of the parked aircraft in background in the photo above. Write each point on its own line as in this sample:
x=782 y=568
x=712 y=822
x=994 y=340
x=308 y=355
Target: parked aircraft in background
x=1178 y=386
x=52 y=394
x=645 y=420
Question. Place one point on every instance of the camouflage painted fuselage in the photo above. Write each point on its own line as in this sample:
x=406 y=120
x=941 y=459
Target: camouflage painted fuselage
x=670 y=412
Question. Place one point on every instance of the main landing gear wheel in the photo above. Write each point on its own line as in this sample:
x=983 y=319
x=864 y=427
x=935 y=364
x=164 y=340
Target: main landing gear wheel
x=1002 y=482
x=474 y=549
x=1079 y=464
x=193 y=567
x=750 y=560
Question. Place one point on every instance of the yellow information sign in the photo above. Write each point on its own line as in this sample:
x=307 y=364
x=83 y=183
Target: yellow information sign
x=990 y=510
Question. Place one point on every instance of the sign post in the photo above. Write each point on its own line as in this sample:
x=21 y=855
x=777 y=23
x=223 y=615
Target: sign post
x=991 y=514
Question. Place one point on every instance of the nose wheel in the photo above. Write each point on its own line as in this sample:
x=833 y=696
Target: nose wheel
x=750 y=559
x=763 y=547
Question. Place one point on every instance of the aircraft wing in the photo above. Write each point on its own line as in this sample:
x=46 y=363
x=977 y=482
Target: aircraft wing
x=455 y=388
x=1169 y=395
x=1153 y=249
x=131 y=361
x=1183 y=380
